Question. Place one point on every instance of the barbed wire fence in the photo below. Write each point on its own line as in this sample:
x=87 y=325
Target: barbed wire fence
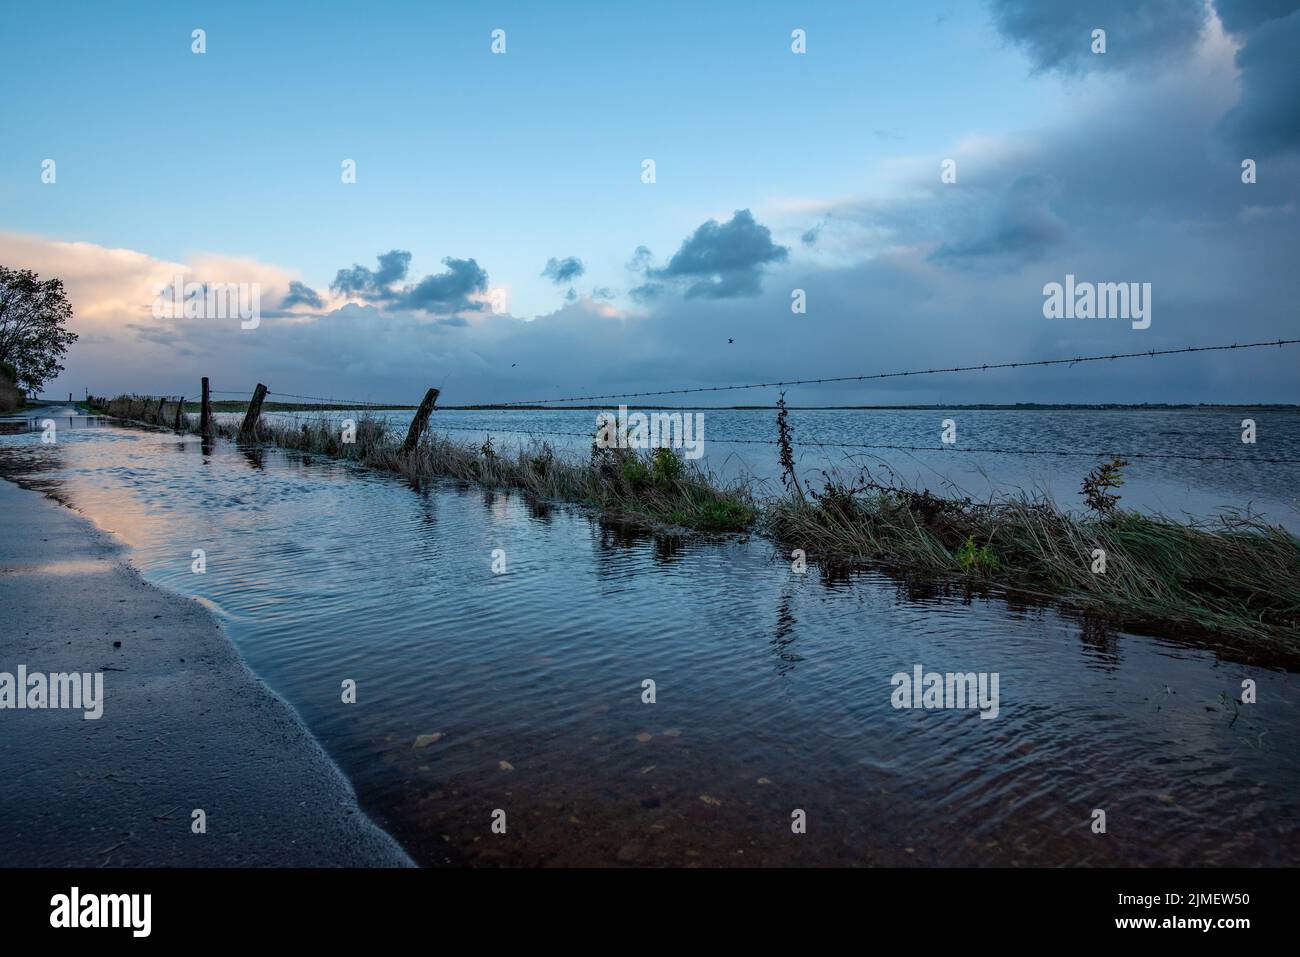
x=335 y=404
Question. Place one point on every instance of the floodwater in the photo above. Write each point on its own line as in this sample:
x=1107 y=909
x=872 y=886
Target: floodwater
x=517 y=697
x=1221 y=472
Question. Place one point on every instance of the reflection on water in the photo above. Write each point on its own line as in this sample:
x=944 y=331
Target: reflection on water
x=524 y=689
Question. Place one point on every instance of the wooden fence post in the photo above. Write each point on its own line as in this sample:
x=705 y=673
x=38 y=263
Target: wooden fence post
x=180 y=412
x=205 y=410
x=249 y=429
x=420 y=421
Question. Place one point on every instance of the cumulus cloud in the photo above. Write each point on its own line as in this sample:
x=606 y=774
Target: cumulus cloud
x=360 y=281
x=449 y=291
x=641 y=259
x=1267 y=118
x=122 y=346
x=717 y=261
x=444 y=294
x=301 y=294
x=561 y=271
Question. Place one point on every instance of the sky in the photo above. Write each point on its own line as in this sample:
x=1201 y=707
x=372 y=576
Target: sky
x=501 y=241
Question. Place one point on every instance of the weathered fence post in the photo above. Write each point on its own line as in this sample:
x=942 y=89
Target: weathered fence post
x=420 y=422
x=205 y=410
x=158 y=415
x=249 y=429
x=180 y=412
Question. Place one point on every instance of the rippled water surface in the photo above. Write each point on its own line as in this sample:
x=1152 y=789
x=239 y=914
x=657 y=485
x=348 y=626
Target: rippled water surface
x=773 y=689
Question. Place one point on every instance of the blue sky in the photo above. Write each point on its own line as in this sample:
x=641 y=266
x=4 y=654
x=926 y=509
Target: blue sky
x=511 y=160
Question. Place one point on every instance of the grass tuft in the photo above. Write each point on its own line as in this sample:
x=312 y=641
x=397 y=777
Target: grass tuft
x=1235 y=577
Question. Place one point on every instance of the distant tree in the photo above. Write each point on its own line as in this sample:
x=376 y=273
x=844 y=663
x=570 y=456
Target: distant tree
x=34 y=334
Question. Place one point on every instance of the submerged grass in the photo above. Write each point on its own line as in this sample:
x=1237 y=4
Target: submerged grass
x=1236 y=577
x=656 y=488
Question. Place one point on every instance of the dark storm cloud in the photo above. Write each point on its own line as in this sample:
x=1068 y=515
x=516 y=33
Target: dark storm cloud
x=1144 y=33
x=1267 y=118
x=561 y=271
x=721 y=260
x=301 y=294
x=1058 y=35
x=1241 y=16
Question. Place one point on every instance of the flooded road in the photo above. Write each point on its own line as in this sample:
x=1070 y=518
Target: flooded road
x=522 y=690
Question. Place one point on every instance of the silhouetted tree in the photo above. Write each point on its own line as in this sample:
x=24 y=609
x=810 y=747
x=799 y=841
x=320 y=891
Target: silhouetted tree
x=34 y=334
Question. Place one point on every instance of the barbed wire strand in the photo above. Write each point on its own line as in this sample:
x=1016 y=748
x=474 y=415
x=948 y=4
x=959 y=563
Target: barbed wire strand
x=983 y=367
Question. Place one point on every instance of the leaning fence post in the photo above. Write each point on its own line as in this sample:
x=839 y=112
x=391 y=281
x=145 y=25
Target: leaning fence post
x=180 y=411
x=205 y=410
x=249 y=429
x=420 y=421
x=158 y=415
